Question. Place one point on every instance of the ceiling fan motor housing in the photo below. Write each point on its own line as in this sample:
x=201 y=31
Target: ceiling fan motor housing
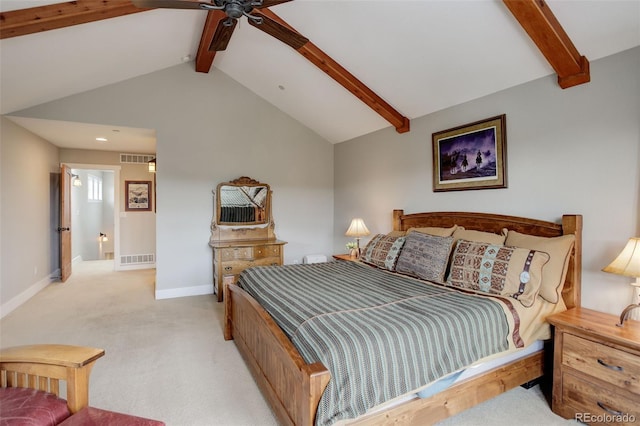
x=235 y=10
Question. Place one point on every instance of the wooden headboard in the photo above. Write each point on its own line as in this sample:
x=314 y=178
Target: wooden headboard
x=571 y=224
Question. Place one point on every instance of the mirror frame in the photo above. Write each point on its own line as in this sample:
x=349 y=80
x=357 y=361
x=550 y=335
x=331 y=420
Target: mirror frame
x=243 y=181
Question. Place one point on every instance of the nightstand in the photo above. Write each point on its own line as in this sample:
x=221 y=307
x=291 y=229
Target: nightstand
x=596 y=367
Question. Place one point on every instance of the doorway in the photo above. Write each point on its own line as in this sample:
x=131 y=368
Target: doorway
x=95 y=223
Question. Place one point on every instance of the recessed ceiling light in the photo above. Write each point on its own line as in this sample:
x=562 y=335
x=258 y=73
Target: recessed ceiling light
x=101 y=139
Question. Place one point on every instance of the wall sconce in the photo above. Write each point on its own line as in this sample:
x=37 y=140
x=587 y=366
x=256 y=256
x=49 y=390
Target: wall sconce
x=103 y=238
x=628 y=264
x=357 y=229
x=152 y=166
x=76 y=180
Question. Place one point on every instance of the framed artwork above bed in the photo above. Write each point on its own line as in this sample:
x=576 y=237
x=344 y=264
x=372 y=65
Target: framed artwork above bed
x=471 y=156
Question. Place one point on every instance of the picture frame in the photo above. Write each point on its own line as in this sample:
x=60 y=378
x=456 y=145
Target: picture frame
x=471 y=156
x=138 y=196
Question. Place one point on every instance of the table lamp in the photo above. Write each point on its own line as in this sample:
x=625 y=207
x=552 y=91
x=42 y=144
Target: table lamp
x=357 y=229
x=628 y=264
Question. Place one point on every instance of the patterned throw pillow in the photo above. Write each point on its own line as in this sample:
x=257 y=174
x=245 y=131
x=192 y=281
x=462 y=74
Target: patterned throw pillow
x=559 y=249
x=382 y=251
x=425 y=256
x=501 y=270
x=479 y=236
x=434 y=230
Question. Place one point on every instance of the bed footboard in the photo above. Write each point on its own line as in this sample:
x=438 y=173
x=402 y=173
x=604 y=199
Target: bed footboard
x=291 y=386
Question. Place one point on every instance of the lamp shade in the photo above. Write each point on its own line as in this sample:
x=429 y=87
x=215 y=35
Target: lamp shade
x=628 y=261
x=357 y=228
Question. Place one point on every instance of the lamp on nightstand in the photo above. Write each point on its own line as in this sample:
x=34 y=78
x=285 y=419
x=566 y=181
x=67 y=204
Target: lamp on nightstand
x=628 y=264
x=357 y=229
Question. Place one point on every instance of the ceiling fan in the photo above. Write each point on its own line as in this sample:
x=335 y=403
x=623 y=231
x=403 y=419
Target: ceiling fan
x=224 y=15
x=234 y=10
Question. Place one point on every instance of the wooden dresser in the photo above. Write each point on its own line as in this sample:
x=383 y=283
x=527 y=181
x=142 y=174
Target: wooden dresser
x=232 y=257
x=596 y=368
x=242 y=231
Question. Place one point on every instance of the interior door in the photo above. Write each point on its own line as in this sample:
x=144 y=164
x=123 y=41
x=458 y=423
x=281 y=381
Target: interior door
x=65 y=223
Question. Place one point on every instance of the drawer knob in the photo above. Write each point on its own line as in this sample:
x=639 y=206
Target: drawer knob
x=611 y=367
x=228 y=268
x=609 y=410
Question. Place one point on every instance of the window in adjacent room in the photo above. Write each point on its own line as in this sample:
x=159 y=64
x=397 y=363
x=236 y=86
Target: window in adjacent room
x=94 y=188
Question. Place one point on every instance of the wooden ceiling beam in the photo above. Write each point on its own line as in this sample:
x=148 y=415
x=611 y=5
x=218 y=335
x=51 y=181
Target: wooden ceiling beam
x=347 y=80
x=204 y=57
x=540 y=23
x=60 y=15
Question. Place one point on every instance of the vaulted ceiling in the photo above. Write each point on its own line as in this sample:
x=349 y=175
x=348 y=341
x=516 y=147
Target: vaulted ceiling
x=367 y=64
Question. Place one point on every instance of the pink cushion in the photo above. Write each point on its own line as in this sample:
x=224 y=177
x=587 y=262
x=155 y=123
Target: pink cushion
x=90 y=416
x=29 y=407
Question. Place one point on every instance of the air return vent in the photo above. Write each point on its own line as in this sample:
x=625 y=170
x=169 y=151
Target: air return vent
x=136 y=158
x=137 y=259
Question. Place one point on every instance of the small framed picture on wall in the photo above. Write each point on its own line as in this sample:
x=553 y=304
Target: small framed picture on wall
x=138 y=196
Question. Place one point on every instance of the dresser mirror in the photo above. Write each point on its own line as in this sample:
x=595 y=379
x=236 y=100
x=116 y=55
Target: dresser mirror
x=243 y=201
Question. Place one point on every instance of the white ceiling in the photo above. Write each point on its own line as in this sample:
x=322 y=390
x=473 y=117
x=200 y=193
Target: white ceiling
x=421 y=56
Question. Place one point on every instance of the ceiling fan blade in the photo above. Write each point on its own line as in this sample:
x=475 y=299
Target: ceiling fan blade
x=222 y=35
x=170 y=4
x=279 y=31
x=269 y=3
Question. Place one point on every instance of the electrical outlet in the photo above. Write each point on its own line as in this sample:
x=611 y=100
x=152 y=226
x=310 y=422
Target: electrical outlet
x=35 y=270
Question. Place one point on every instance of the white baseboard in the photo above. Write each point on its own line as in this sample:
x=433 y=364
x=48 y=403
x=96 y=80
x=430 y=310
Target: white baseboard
x=11 y=305
x=184 y=292
x=136 y=266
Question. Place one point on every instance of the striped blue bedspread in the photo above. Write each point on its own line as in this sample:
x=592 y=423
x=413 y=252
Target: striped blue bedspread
x=380 y=335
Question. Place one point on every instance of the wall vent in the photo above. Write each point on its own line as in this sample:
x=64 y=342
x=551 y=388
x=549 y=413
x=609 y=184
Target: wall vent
x=136 y=158
x=137 y=259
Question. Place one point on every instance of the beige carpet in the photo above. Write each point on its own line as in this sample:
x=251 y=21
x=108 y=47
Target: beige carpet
x=167 y=359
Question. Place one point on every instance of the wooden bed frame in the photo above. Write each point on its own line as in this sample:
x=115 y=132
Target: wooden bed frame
x=293 y=388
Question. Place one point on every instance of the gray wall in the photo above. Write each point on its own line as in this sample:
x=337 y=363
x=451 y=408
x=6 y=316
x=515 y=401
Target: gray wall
x=569 y=151
x=211 y=129
x=28 y=168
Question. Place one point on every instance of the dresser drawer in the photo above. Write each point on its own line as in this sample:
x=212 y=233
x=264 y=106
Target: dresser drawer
x=248 y=253
x=602 y=405
x=260 y=252
x=235 y=253
x=614 y=366
x=234 y=267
